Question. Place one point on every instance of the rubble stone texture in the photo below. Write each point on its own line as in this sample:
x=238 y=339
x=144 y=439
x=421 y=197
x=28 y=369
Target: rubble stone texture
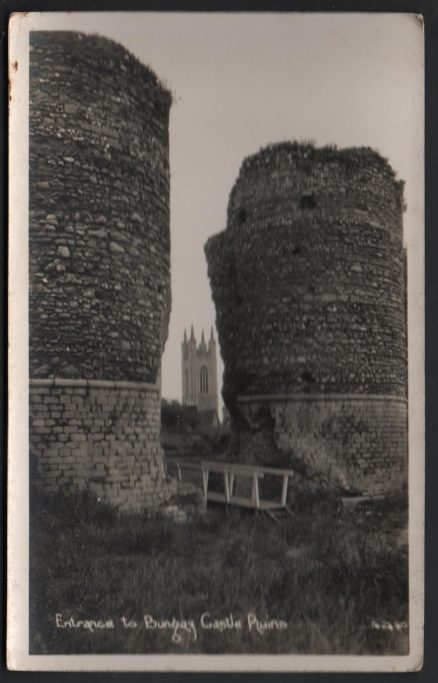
x=308 y=283
x=99 y=247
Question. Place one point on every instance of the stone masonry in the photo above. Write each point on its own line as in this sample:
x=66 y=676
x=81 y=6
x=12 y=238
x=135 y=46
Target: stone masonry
x=99 y=267
x=308 y=283
x=99 y=434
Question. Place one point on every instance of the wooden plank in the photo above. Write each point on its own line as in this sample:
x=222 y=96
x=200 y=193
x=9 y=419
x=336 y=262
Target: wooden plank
x=242 y=468
x=184 y=464
x=276 y=471
x=220 y=466
x=284 y=489
x=216 y=464
x=352 y=501
x=235 y=469
x=256 y=490
x=205 y=484
x=227 y=488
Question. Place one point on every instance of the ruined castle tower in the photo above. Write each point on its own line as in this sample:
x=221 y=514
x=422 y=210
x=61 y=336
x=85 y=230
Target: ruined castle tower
x=199 y=372
x=99 y=273
x=308 y=283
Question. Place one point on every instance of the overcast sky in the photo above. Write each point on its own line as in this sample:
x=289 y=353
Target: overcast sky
x=241 y=81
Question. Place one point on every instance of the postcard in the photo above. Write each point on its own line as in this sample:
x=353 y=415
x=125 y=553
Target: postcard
x=216 y=330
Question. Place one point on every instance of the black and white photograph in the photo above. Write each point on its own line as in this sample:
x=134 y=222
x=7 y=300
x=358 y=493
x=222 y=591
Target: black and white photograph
x=216 y=394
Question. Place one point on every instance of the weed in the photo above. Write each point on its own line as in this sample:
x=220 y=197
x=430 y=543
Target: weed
x=328 y=575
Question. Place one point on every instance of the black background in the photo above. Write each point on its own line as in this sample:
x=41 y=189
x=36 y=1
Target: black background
x=429 y=10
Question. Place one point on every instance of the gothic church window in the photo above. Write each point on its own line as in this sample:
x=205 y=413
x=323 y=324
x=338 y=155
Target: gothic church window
x=204 y=380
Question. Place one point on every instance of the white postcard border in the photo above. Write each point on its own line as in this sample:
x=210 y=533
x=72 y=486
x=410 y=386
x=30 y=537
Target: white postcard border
x=18 y=438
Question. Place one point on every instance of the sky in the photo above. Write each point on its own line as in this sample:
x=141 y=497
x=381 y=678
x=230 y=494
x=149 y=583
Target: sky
x=241 y=81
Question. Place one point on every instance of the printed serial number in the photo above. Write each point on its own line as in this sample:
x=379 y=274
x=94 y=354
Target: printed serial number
x=389 y=625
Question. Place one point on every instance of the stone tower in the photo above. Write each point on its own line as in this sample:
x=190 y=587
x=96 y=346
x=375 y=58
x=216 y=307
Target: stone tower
x=99 y=267
x=199 y=372
x=308 y=284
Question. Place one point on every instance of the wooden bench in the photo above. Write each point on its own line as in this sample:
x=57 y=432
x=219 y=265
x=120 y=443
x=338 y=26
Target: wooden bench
x=229 y=472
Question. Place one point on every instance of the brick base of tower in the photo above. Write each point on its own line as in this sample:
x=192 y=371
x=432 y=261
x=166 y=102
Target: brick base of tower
x=354 y=441
x=101 y=436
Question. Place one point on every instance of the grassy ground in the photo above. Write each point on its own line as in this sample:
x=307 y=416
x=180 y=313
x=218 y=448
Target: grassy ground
x=328 y=575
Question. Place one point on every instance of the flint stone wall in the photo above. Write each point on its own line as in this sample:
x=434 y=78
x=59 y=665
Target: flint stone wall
x=99 y=266
x=99 y=239
x=308 y=283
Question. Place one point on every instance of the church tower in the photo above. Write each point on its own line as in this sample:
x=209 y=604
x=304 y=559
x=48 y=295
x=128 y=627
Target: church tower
x=199 y=373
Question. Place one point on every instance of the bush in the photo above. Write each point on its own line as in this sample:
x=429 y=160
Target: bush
x=178 y=418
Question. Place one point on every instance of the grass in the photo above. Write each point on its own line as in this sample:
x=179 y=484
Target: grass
x=328 y=574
